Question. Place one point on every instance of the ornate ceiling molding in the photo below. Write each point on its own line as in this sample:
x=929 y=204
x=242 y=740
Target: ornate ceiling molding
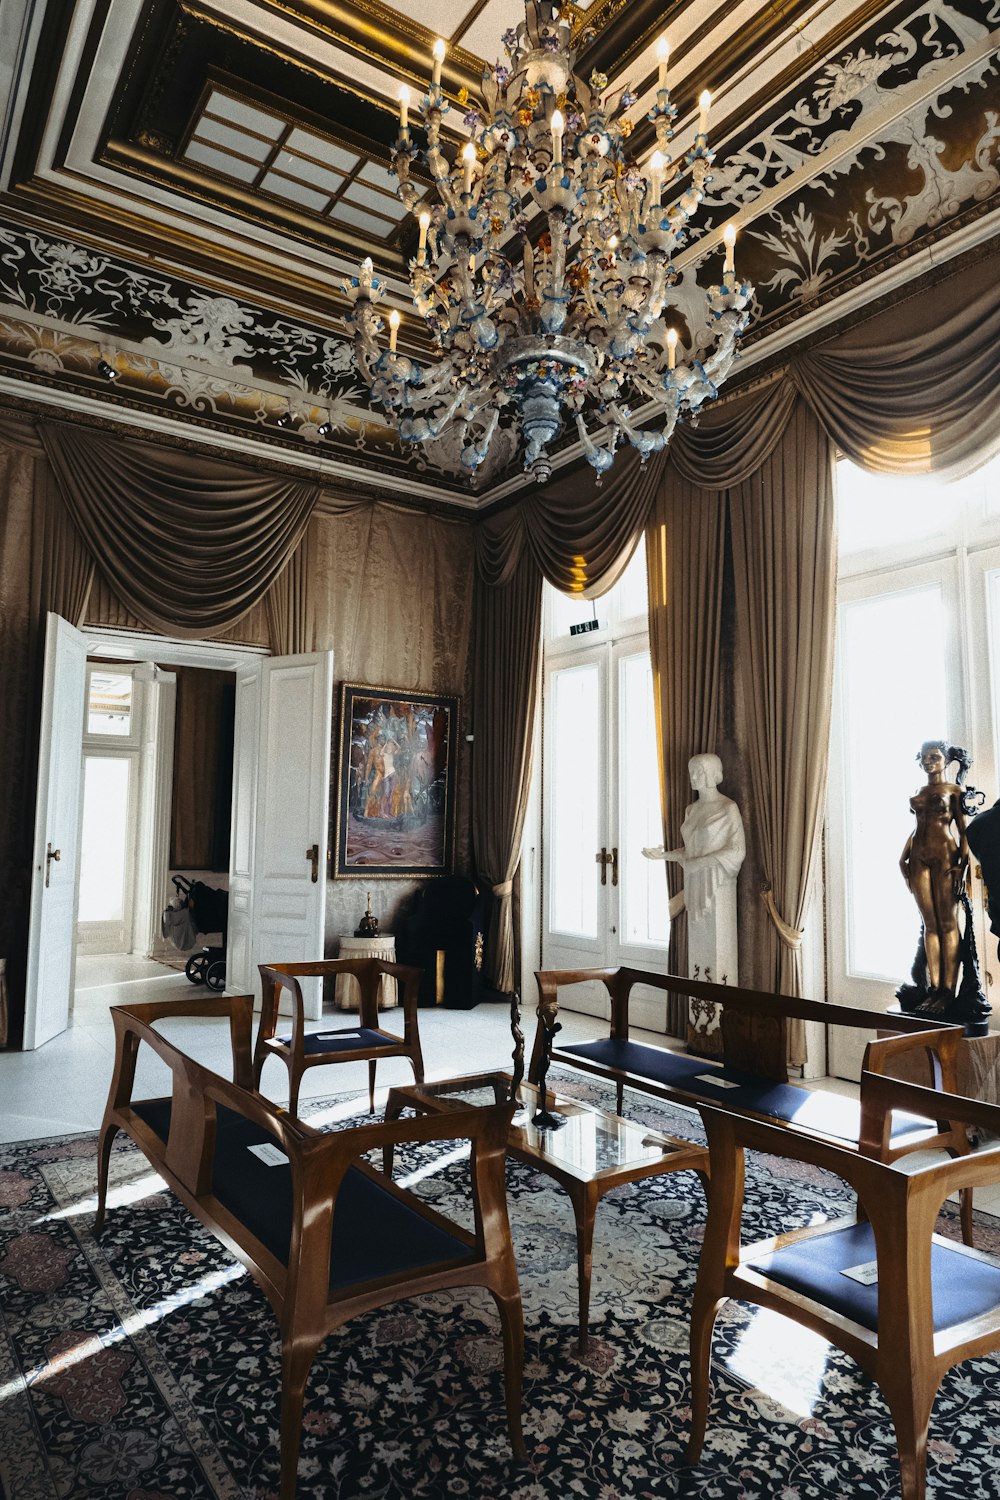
x=860 y=143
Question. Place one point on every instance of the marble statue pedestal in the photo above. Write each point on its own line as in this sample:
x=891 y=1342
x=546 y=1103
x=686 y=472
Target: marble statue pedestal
x=712 y=955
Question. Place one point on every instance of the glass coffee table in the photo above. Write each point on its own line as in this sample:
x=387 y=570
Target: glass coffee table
x=593 y=1152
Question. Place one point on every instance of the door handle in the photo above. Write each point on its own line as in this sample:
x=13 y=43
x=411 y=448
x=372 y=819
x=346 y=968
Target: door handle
x=603 y=859
x=50 y=855
x=312 y=853
x=614 y=866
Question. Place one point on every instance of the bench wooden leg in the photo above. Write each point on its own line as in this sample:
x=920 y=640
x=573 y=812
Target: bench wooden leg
x=372 y=1065
x=619 y=1098
x=512 y=1324
x=104 y=1144
x=393 y=1110
x=296 y=1362
x=909 y=1403
x=703 y=1315
x=294 y=1084
x=965 y=1208
x=417 y=1063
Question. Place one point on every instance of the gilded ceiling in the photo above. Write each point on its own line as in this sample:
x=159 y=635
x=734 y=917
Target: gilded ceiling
x=184 y=184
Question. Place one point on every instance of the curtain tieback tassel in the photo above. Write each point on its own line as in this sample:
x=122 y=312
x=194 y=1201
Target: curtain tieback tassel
x=790 y=936
x=505 y=888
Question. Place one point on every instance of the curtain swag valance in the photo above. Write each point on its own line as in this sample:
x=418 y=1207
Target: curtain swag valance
x=188 y=543
x=895 y=395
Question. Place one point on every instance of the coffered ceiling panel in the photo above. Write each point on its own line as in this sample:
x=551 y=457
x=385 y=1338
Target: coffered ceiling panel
x=184 y=185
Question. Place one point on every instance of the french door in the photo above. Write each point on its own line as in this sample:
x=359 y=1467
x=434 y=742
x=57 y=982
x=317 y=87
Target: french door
x=604 y=902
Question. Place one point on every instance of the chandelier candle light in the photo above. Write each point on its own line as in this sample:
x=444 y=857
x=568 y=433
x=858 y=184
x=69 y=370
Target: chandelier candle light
x=544 y=275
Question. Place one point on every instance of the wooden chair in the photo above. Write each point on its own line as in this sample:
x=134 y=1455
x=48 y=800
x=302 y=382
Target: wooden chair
x=323 y=1233
x=367 y=1042
x=935 y=1302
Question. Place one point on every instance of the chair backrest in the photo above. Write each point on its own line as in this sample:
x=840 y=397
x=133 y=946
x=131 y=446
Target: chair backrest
x=367 y=971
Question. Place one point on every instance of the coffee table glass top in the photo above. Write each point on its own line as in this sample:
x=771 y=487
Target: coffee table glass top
x=592 y=1141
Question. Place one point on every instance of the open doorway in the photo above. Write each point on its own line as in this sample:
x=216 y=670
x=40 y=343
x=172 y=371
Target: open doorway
x=280 y=809
x=155 y=823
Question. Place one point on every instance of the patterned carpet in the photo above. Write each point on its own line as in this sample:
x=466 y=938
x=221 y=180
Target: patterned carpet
x=151 y=1360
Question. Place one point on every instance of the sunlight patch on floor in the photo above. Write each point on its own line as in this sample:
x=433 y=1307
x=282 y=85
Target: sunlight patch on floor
x=781 y=1359
x=89 y=1347
x=129 y=1192
x=344 y=1109
x=431 y=1168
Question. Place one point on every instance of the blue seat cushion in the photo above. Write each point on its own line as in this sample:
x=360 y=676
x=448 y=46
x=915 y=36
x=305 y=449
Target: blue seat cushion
x=344 y=1039
x=962 y=1286
x=829 y=1114
x=374 y=1232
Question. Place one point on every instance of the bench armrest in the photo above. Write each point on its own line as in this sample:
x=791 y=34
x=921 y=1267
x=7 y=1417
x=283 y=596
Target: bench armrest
x=941 y=1047
x=881 y=1095
x=134 y=1023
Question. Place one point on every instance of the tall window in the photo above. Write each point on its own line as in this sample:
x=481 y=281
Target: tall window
x=918 y=657
x=108 y=824
x=604 y=903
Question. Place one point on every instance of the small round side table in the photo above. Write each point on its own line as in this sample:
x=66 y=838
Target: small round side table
x=347 y=995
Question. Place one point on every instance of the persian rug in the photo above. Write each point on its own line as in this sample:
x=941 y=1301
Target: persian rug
x=145 y=1366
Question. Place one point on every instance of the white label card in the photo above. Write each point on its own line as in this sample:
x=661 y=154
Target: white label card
x=271 y=1156
x=866 y=1274
x=719 y=1083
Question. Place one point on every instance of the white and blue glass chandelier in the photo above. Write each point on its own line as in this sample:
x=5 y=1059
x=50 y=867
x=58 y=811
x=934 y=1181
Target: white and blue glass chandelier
x=544 y=274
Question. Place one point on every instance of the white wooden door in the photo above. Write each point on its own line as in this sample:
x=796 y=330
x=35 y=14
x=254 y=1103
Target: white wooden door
x=241 y=975
x=281 y=808
x=57 y=828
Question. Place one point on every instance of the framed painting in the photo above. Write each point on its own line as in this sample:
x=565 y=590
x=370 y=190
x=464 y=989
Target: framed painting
x=396 y=783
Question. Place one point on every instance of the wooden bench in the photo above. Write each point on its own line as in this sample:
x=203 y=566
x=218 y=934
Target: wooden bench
x=323 y=1233
x=752 y=1078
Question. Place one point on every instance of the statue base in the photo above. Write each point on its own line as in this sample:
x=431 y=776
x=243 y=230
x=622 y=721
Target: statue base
x=940 y=1006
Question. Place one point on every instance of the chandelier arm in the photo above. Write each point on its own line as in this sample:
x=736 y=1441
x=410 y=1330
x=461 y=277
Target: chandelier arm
x=419 y=429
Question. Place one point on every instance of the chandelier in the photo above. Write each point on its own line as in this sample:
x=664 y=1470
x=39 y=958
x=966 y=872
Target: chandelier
x=544 y=273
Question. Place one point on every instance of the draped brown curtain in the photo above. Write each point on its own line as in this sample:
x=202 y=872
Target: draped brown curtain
x=732 y=441
x=914 y=389
x=507 y=657
x=289 y=601
x=685 y=542
x=581 y=535
x=785 y=576
x=188 y=543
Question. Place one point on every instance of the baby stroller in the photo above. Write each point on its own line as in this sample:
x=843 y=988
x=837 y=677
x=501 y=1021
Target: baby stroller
x=209 y=909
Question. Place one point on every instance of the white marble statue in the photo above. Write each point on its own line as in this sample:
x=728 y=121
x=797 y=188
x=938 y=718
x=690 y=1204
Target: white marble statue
x=714 y=849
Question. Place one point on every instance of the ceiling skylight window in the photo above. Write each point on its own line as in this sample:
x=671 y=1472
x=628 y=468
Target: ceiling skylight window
x=297 y=167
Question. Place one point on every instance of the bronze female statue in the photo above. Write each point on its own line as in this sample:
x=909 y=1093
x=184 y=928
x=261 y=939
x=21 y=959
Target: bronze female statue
x=935 y=861
x=935 y=866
